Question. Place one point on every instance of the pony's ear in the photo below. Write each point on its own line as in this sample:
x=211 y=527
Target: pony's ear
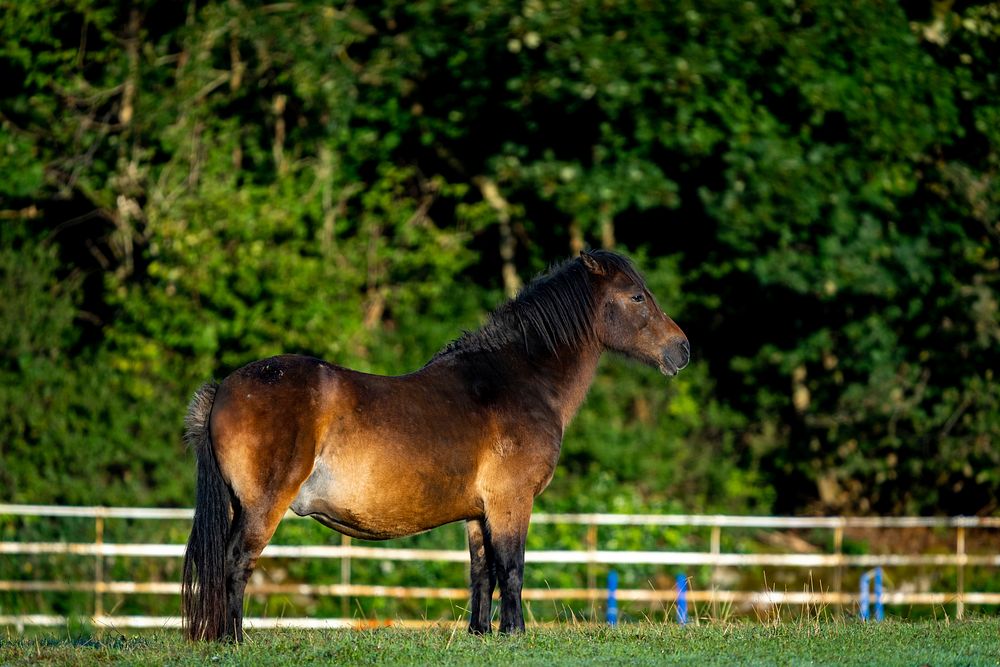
x=592 y=264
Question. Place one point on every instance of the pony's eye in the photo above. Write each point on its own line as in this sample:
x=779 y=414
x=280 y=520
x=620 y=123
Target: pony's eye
x=639 y=298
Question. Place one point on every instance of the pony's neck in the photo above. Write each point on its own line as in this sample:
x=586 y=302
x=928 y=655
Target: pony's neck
x=569 y=375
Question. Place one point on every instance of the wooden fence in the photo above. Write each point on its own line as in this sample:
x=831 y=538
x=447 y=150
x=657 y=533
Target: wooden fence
x=715 y=557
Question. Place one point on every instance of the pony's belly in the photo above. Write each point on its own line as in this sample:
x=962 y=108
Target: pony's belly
x=375 y=507
x=348 y=523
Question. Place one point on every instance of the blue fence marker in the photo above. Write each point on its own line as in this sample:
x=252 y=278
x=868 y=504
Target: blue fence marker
x=612 y=602
x=867 y=579
x=682 y=602
x=879 y=607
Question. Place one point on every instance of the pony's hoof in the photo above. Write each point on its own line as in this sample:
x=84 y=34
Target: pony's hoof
x=480 y=630
x=512 y=630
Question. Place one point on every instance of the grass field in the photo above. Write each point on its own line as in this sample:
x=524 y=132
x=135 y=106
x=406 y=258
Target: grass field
x=975 y=642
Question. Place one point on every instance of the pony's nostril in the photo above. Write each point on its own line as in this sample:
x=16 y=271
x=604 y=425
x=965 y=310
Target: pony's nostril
x=685 y=354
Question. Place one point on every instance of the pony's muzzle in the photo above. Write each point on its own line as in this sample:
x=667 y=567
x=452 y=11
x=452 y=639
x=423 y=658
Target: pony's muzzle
x=675 y=357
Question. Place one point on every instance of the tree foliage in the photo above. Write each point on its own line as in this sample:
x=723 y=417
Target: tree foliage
x=812 y=189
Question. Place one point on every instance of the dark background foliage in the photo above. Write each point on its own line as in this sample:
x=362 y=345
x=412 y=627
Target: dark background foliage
x=811 y=188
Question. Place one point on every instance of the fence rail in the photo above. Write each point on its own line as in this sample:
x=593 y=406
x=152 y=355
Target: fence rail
x=561 y=557
x=590 y=556
x=690 y=520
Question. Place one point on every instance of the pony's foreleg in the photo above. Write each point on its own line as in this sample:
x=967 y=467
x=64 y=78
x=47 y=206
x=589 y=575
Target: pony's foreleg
x=508 y=530
x=482 y=577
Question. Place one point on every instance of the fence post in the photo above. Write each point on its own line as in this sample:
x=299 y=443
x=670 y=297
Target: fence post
x=838 y=572
x=591 y=565
x=98 y=563
x=345 y=577
x=716 y=549
x=960 y=553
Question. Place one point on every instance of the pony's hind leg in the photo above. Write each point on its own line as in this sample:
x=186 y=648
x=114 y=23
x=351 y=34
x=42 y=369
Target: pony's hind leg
x=265 y=451
x=257 y=511
x=482 y=577
x=251 y=531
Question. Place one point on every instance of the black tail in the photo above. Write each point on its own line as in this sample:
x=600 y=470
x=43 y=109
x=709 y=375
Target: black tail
x=203 y=589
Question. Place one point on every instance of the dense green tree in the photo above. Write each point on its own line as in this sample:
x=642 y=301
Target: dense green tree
x=811 y=188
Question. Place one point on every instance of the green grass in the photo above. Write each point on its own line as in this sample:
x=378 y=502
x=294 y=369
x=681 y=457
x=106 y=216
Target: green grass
x=975 y=642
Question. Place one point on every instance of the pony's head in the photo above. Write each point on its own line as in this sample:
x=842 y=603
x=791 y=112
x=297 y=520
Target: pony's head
x=627 y=318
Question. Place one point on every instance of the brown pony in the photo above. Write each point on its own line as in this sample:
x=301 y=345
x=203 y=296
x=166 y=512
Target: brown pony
x=472 y=436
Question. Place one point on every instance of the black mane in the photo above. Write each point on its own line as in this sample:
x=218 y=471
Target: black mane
x=555 y=309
